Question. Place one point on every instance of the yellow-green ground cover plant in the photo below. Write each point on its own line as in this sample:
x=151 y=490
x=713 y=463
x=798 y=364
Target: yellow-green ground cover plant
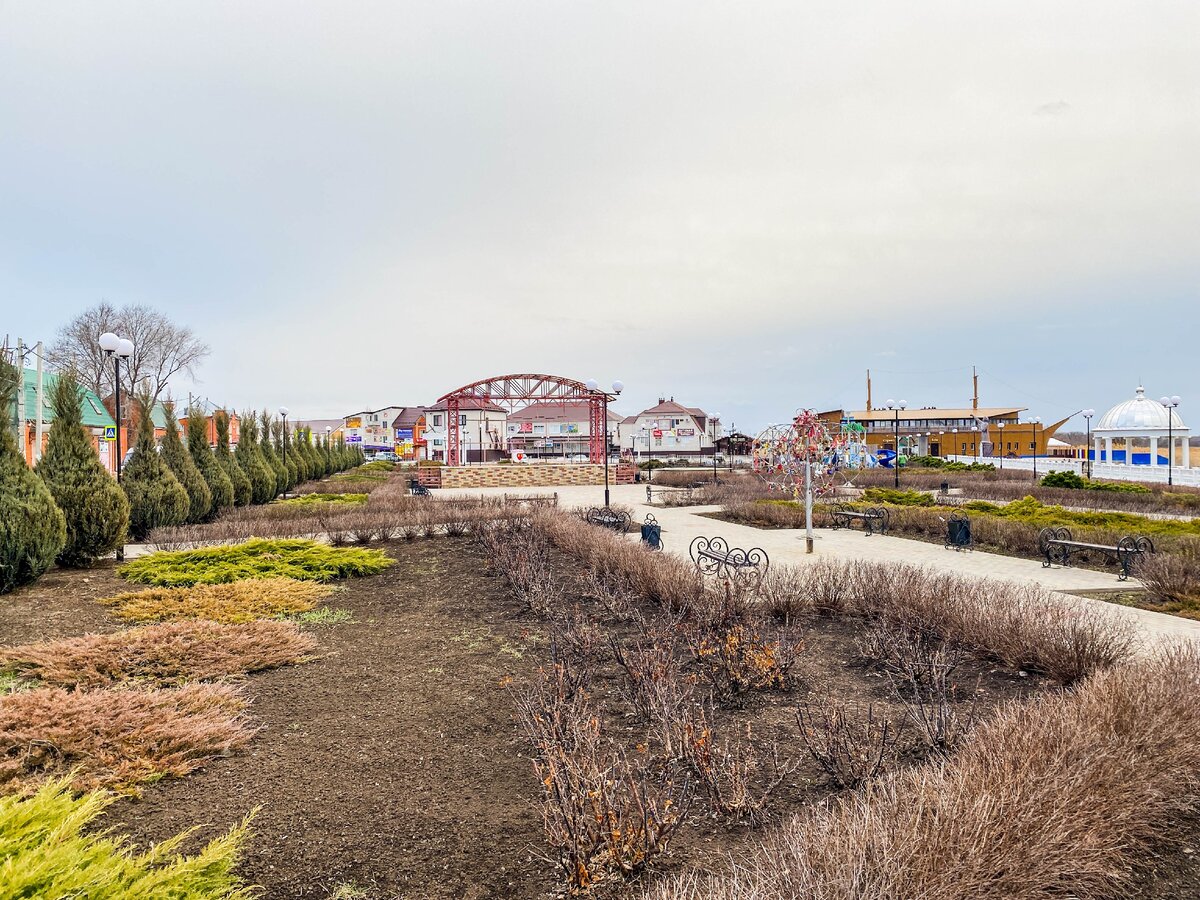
x=236 y=601
x=49 y=848
x=304 y=560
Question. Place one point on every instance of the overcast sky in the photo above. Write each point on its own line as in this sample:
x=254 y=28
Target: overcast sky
x=743 y=204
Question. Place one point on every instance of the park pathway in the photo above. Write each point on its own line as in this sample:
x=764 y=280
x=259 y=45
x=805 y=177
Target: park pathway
x=683 y=523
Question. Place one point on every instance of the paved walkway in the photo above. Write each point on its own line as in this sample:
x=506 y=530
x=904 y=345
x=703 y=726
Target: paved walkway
x=683 y=523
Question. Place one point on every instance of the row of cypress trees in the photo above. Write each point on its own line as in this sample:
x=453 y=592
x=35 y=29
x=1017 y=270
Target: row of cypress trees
x=71 y=510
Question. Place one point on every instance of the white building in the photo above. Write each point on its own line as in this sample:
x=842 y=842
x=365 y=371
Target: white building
x=556 y=430
x=482 y=429
x=669 y=430
x=1140 y=432
x=371 y=430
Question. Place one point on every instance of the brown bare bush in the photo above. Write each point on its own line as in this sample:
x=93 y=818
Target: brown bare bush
x=1172 y=577
x=850 y=744
x=166 y=654
x=1059 y=796
x=522 y=555
x=603 y=810
x=737 y=777
x=651 y=680
x=740 y=658
x=114 y=737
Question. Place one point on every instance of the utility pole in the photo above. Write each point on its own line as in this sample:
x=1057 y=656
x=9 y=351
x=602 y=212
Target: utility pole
x=21 y=396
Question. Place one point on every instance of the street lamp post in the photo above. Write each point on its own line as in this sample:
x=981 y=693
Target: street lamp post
x=283 y=411
x=1000 y=425
x=942 y=444
x=1037 y=420
x=975 y=442
x=893 y=405
x=1087 y=447
x=729 y=449
x=118 y=349
x=617 y=387
x=716 y=431
x=1171 y=403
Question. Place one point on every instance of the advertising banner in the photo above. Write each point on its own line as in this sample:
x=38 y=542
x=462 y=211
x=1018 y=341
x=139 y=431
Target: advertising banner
x=570 y=428
x=354 y=422
x=686 y=432
x=526 y=428
x=404 y=434
x=657 y=432
x=353 y=439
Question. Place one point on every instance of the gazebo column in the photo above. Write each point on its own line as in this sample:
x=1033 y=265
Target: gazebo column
x=1153 y=450
x=1108 y=450
x=1096 y=449
x=1187 y=452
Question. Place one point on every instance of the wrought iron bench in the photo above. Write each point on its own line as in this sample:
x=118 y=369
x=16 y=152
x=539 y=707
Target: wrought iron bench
x=531 y=499
x=714 y=556
x=873 y=518
x=606 y=517
x=652 y=533
x=417 y=489
x=1057 y=546
x=686 y=492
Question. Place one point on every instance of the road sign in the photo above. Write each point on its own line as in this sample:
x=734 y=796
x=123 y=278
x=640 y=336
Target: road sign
x=110 y=432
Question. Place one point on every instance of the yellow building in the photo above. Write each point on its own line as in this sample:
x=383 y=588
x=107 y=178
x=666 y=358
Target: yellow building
x=985 y=432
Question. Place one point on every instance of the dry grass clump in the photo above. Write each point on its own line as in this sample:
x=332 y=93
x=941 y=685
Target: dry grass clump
x=1060 y=796
x=1173 y=580
x=165 y=654
x=114 y=737
x=239 y=601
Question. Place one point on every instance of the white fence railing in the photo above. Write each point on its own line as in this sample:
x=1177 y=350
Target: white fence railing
x=1107 y=471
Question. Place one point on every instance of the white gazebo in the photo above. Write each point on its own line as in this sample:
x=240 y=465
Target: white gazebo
x=1142 y=423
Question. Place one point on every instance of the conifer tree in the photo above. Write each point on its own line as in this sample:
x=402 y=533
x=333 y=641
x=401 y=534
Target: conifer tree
x=326 y=458
x=262 y=479
x=243 y=492
x=315 y=470
x=270 y=457
x=156 y=498
x=219 y=486
x=95 y=507
x=32 y=528
x=303 y=461
x=183 y=467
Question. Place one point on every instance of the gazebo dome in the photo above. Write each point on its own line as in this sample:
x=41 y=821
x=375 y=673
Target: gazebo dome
x=1139 y=414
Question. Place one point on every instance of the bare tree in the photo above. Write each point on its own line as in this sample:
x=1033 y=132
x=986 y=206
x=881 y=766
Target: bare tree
x=161 y=349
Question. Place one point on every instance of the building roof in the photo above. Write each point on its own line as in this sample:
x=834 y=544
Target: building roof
x=408 y=417
x=94 y=413
x=929 y=412
x=1139 y=414
x=318 y=426
x=671 y=408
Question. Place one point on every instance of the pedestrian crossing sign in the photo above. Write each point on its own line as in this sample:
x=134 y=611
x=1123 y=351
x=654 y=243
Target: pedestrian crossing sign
x=110 y=432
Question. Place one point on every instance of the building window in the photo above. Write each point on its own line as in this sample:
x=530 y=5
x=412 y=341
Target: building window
x=1032 y=445
x=462 y=420
x=437 y=421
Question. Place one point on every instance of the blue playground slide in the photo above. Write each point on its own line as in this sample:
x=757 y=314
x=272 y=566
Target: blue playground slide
x=886 y=457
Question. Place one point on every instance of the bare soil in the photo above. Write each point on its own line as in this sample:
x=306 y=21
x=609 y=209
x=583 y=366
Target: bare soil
x=392 y=762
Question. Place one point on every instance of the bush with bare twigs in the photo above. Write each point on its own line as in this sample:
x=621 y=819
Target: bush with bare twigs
x=736 y=776
x=851 y=744
x=116 y=737
x=522 y=555
x=651 y=677
x=742 y=658
x=1173 y=579
x=237 y=601
x=165 y=654
x=603 y=810
x=1058 y=796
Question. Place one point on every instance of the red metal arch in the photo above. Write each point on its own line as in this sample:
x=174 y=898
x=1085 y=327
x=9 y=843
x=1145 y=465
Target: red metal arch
x=514 y=391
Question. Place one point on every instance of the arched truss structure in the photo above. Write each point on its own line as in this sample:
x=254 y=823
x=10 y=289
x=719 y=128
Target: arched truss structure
x=512 y=392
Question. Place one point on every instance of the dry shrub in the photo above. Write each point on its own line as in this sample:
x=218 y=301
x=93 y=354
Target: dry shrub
x=1062 y=796
x=619 y=600
x=741 y=658
x=169 y=653
x=1172 y=578
x=651 y=679
x=603 y=810
x=851 y=745
x=737 y=777
x=115 y=737
x=522 y=555
x=238 y=601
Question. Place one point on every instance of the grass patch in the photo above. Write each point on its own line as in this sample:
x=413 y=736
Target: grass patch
x=238 y=601
x=47 y=850
x=318 y=499
x=114 y=737
x=1032 y=512
x=256 y=558
x=165 y=654
x=324 y=615
x=897 y=497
